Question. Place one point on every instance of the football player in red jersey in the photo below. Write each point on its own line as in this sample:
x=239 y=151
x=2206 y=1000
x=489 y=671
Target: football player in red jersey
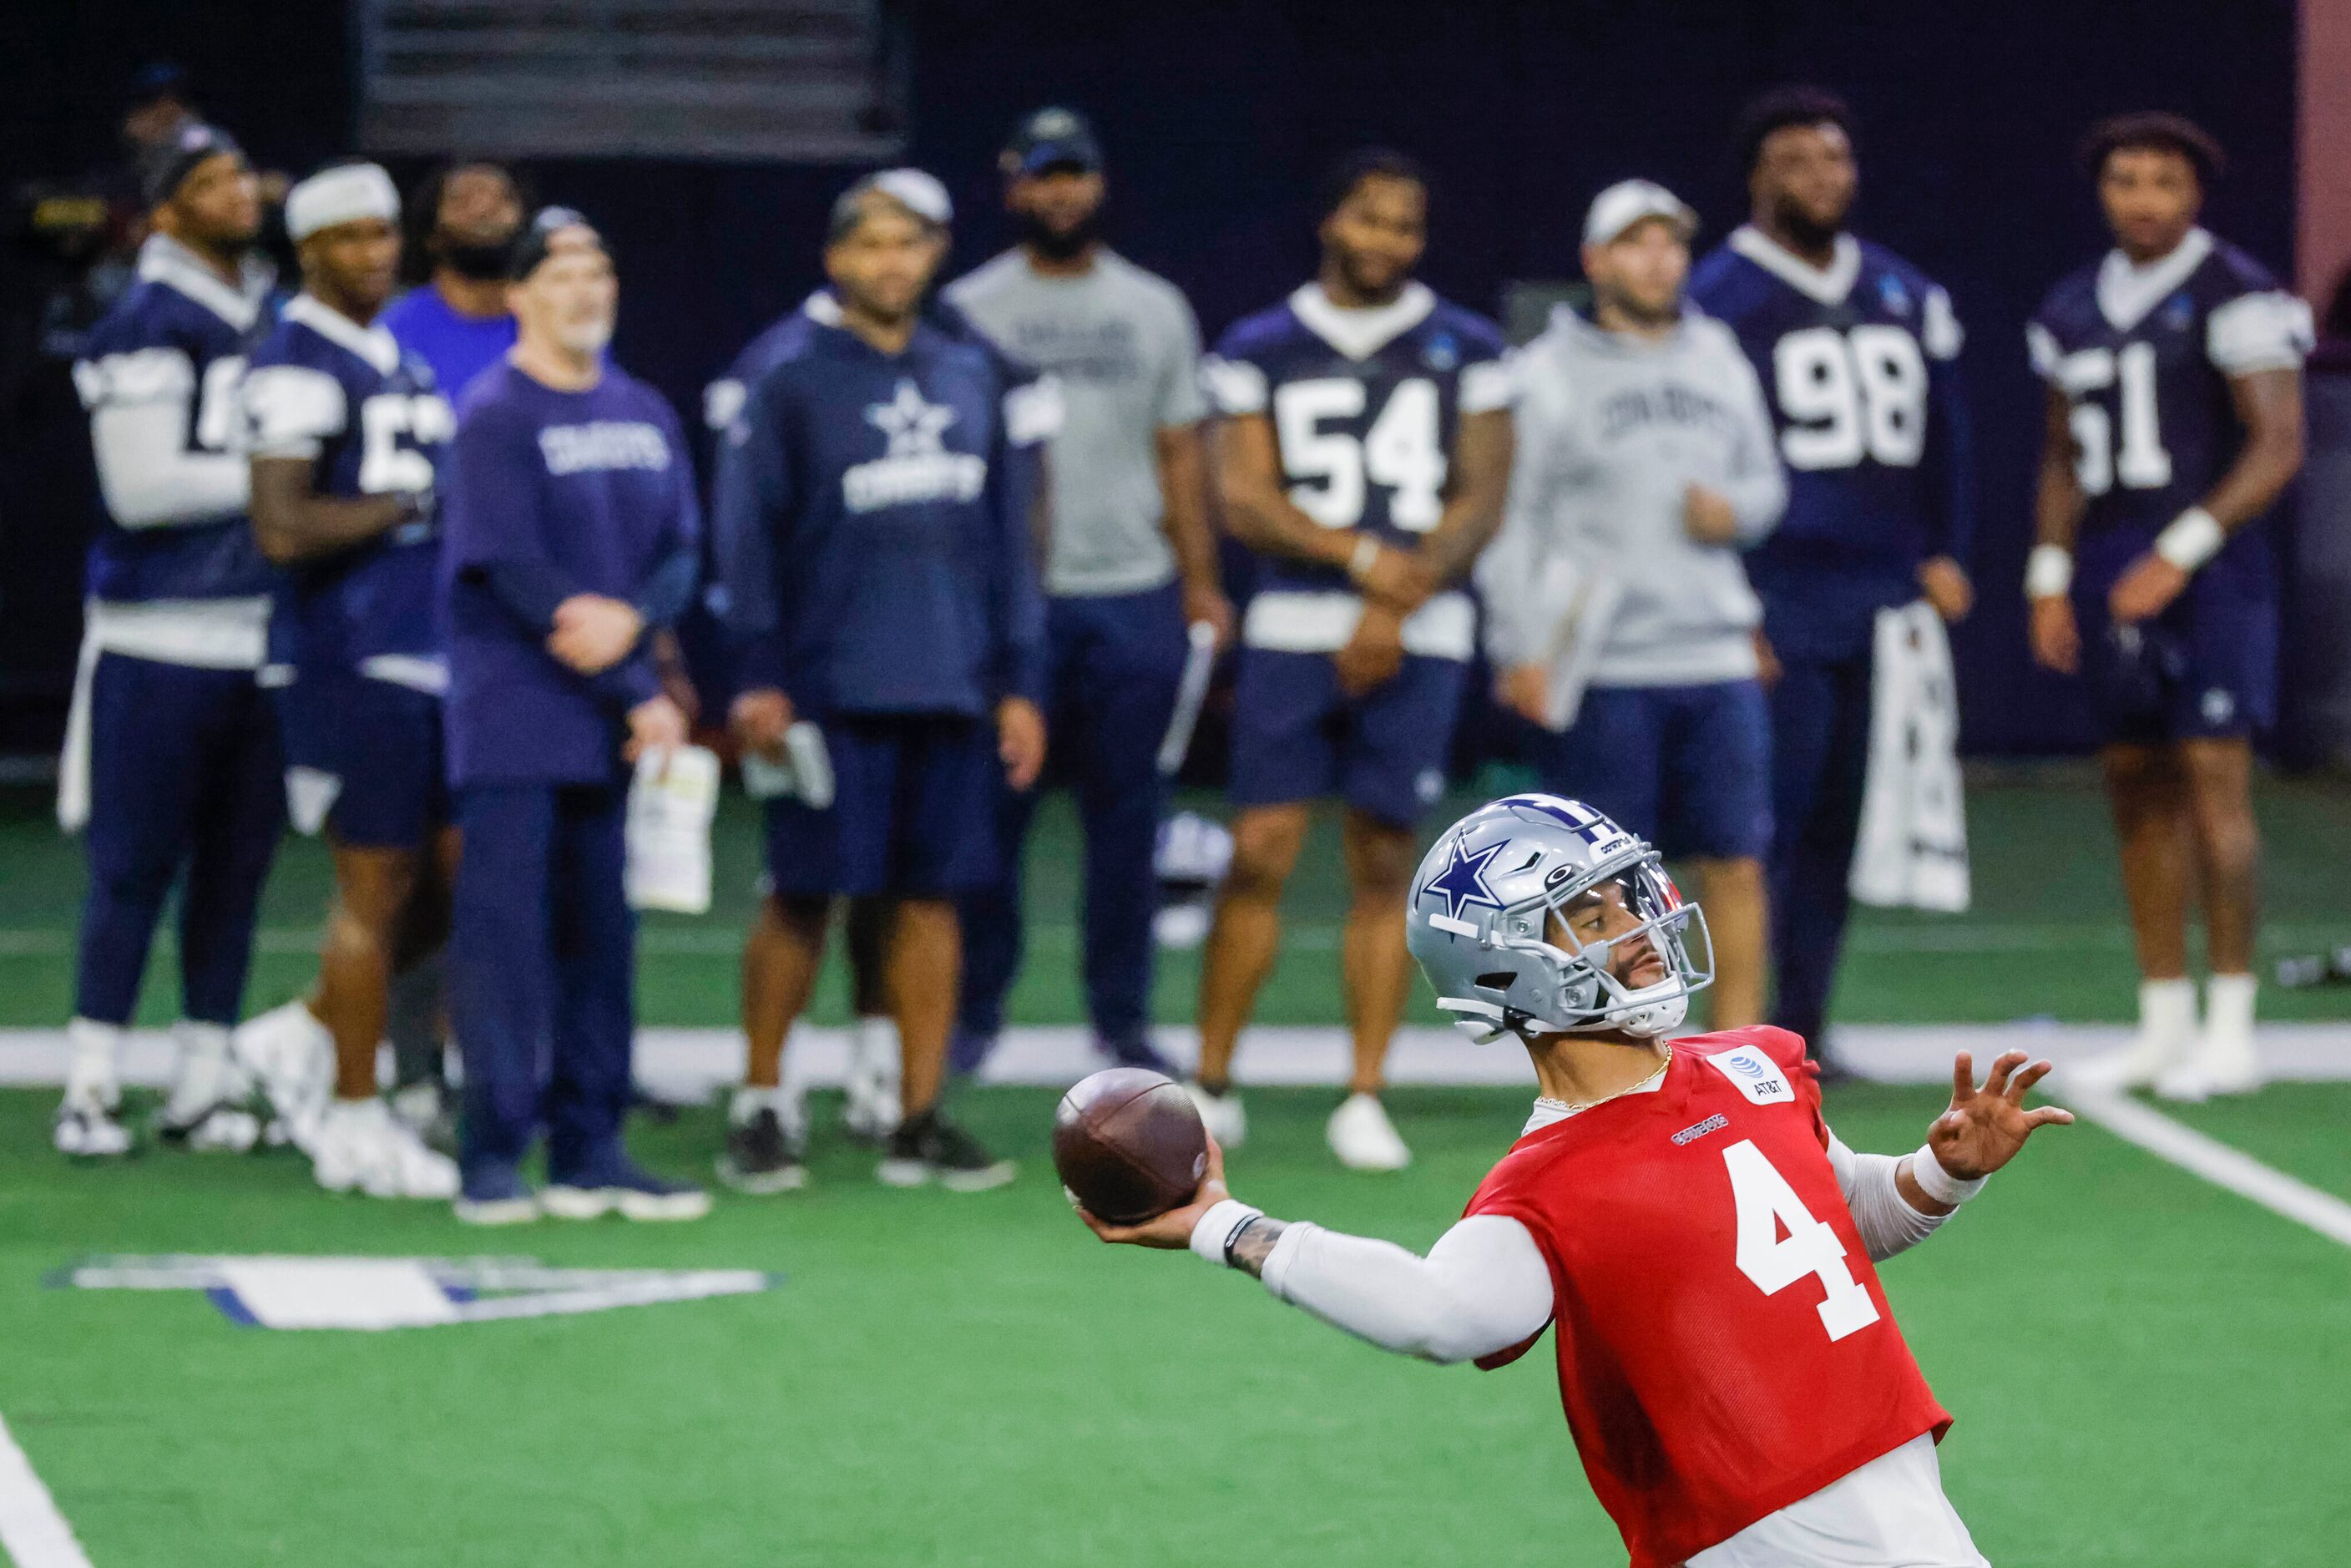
x=1677 y=1211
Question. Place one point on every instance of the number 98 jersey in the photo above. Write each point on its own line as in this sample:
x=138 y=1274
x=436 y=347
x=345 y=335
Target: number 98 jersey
x=1724 y=1345
x=1858 y=363
x=2142 y=357
x=1364 y=406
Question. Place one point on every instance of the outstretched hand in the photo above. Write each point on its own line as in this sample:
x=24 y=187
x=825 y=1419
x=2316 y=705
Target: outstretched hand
x=1171 y=1232
x=1985 y=1127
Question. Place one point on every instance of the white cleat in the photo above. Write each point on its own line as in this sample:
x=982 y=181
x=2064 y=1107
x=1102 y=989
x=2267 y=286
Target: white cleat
x=2221 y=1064
x=208 y=1111
x=2167 y=1035
x=874 y=1108
x=1221 y=1114
x=291 y=1055
x=362 y=1147
x=1364 y=1138
x=90 y=1124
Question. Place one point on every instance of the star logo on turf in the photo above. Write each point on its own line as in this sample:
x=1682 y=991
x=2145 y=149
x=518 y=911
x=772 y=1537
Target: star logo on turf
x=1462 y=883
x=913 y=426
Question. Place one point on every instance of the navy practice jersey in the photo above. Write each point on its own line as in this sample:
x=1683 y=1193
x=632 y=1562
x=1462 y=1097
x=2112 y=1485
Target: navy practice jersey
x=368 y=415
x=2144 y=357
x=1364 y=405
x=874 y=552
x=1858 y=365
x=160 y=380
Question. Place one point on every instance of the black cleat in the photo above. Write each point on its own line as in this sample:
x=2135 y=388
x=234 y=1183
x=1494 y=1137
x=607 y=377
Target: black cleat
x=761 y=1156
x=930 y=1147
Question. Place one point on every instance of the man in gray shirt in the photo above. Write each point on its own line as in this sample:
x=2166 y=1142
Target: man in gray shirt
x=1129 y=562
x=1617 y=610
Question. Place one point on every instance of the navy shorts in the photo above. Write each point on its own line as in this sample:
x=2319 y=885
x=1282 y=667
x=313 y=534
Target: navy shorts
x=363 y=759
x=1296 y=737
x=2205 y=669
x=1686 y=767
x=912 y=813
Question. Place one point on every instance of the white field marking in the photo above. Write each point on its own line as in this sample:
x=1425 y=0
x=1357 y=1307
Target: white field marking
x=32 y=1531
x=693 y=1064
x=1300 y=934
x=2216 y=1161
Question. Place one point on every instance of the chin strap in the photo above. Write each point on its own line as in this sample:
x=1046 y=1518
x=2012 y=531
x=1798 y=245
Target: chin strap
x=1485 y=1023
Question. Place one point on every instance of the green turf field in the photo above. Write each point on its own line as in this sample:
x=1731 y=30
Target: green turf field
x=2145 y=1370
x=2045 y=936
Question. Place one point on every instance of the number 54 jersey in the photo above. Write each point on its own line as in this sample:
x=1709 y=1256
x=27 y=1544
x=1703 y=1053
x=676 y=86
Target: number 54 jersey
x=1724 y=1345
x=1364 y=406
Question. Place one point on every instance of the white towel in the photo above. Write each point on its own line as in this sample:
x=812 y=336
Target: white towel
x=1913 y=845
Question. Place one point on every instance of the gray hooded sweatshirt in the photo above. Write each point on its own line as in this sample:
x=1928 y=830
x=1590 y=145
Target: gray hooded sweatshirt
x=1612 y=429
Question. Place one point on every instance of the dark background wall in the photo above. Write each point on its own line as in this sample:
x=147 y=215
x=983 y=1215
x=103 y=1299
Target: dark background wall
x=1218 y=118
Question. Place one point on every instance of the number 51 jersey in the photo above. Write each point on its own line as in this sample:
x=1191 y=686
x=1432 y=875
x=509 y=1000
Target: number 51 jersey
x=2142 y=357
x=1724 y=1345
x=1365 y=406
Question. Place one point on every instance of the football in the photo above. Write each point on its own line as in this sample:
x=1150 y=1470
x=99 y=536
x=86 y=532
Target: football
x=1128 y=1145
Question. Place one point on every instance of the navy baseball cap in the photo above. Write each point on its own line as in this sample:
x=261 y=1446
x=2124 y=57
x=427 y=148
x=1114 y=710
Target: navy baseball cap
x=167 y=166
x=1052 y=137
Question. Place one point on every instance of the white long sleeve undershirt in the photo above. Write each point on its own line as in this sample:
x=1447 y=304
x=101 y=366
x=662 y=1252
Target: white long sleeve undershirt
x=151 y=479
x=1485 y=1286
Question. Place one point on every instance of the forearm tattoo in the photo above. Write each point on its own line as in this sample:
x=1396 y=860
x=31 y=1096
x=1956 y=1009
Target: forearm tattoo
x=1254 y=1245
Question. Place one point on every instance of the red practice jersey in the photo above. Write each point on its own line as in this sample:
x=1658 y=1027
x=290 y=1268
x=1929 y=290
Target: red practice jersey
x=1724 y=1347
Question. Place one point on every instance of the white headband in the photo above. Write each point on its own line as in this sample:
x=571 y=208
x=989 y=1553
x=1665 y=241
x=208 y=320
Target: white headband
x=344 y=194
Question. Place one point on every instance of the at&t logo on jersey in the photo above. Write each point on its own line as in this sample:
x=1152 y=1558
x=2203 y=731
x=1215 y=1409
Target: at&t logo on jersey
x=1755 y=1075
x=917 y=467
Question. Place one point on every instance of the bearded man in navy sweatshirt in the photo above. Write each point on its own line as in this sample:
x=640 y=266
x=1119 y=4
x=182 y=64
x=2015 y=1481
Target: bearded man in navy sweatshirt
x=878 y=579
x=571 y=535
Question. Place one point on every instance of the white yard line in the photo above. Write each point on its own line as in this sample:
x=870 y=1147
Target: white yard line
x=1300 y=933
x=32 y=1531
x=2216 y=1161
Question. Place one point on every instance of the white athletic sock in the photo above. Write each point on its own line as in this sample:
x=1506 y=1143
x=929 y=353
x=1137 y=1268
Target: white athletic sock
x=206 y=1075
x=2167 y=1010
x=93 y=1048
x=2229 y=1005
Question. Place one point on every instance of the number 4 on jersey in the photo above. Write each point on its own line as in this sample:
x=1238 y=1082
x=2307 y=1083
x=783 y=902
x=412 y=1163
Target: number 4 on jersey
x=1767 y=1204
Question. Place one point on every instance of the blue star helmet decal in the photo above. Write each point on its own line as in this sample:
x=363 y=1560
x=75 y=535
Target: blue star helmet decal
x=1462 y=883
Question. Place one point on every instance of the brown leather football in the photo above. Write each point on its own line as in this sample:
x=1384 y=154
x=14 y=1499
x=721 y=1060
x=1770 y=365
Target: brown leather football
x=1129 y=1144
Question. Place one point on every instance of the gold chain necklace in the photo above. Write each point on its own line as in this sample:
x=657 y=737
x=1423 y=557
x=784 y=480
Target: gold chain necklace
x=1571 y=1109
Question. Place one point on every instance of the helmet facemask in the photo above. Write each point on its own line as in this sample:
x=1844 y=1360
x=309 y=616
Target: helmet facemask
x=1570 y=988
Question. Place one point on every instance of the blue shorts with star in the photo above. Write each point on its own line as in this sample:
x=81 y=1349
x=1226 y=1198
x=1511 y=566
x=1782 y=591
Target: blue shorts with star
x=2204 y=669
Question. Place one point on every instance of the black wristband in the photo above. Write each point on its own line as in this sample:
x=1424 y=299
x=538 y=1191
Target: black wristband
x=1232 y=1236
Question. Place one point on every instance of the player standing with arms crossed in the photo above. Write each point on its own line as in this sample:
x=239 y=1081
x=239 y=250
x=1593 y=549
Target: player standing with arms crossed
x=172 y=762
x=2173 y=420
x=1858 y=352
x=345 y=430
x=1362 y=450
x=1677 y=1211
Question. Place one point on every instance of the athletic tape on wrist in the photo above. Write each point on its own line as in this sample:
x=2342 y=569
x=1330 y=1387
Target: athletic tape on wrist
x=1216 y=1227
x=1368 y=550
x=2191 y=538
x=2048 y=572
x=1939 y=1184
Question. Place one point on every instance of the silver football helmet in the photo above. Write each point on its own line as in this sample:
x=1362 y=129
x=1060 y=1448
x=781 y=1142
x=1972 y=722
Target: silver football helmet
x=1481 y=924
